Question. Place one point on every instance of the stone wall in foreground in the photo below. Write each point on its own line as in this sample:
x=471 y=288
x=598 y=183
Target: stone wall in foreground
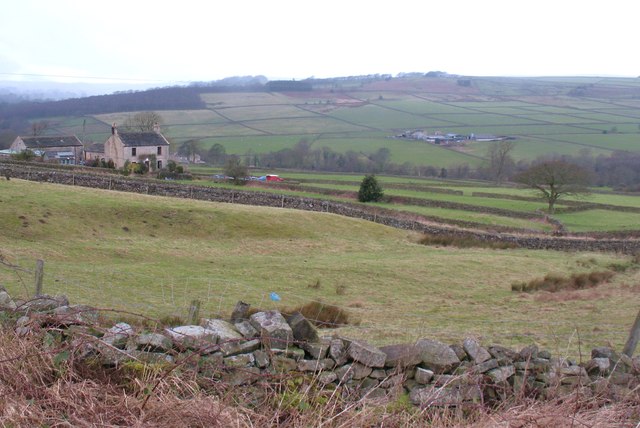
x=264 y=346
x=377 y=215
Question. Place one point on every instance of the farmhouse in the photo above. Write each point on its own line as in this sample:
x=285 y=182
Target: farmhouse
x=150 y=148
x=58 y=149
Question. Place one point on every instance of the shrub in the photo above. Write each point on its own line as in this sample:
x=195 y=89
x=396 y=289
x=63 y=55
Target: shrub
x=370 y=190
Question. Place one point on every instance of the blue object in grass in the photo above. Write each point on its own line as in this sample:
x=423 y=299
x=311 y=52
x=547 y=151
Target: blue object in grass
x=274 y=296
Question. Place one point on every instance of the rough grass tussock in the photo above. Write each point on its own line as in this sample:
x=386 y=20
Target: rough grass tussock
x=554 y=282
x=322 y=314
x=464 y=242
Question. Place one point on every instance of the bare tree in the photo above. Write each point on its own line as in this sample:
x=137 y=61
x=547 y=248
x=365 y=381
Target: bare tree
x=144 y=121
x=38 y=127
x=501 y=163
x=556 y=178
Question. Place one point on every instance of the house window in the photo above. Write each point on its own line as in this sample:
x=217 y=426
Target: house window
x=133 y=151
x=159 y=162
x=159 y=150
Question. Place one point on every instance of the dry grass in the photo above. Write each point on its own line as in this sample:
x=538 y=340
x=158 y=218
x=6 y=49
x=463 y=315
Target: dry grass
x=554 y=283
x=464 y=242
x=321 y=314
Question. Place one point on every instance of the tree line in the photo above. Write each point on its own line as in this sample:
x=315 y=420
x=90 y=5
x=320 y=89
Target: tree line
x=619 y=170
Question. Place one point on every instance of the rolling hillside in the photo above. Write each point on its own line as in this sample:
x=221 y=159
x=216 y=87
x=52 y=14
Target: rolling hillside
x=154 y=255
x=543 y=115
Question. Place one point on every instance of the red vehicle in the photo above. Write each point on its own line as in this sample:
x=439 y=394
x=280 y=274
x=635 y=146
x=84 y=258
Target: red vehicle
x=273 y=178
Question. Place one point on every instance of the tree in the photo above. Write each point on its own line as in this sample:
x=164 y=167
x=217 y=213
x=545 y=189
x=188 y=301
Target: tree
x=501 y=163
x=217 y=154
x=145 y=121
x=38 y=127
x=235 y=169
x=370 y=190
x=555 y=179
x=190 y=149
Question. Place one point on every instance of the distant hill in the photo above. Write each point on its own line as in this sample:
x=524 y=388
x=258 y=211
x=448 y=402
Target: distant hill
x=347 y=122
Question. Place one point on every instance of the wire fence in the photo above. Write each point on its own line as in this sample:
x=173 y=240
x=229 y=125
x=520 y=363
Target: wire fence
x=136 y=291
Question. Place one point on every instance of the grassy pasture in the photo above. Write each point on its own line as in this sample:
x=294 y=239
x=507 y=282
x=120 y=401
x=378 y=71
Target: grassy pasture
x=593 y=220
x=153 y=255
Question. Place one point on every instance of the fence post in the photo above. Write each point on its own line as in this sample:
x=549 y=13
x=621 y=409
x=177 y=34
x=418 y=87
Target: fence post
x=194 y=312
x=634 y=336
x=39 y=276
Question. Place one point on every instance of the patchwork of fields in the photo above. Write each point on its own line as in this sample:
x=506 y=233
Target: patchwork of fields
x=541 y=114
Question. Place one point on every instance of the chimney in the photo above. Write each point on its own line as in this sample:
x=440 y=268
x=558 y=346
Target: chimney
x=156 y=128
x=114 y=129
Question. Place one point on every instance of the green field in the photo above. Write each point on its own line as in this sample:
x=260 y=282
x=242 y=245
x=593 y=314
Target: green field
x=153 y=255
x=616 y=218
x=540 y=113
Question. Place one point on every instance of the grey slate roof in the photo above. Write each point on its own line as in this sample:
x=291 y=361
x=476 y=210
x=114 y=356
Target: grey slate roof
x=40 y=142
x=140 y=139
x=95 y=147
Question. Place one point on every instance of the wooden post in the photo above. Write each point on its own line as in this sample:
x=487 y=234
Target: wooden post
x=194 y=312
x=634 y=336
x=39 y=276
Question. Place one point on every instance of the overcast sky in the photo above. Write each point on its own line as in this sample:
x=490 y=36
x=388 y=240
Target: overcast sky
x=188 y=40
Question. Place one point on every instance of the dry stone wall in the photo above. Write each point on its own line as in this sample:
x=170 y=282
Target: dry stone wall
x=264 y=346
x=377 y=215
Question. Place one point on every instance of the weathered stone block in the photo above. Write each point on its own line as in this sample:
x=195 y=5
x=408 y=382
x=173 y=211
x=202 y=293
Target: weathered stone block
x=240 y=312
x=327 y=377
x=476 y=353
x=290 y=352
x=242 y=360
x=224 y=330
x=598 y=366
x=283 y=364
x=434 y=396
x=273 y=328
x=505 y=356
x=315 y=365
x=501 y=374
x=75 y=314
x=437 y=356
x=344 y=373
x=118 y=335
x=44 y=303
x=528 y=353
x=261 y=358
x=366 y=354
x=485 y=366
x=245 y=328
x=460 y=352
x=6 y=302
x=338 y=351
x=360 y=371
x=152 y=342
x=378 y=374
x=423 y=376
x=303 y=330
x=402 y=355
x=317 y=350
x=193 y=336
x=239 y=346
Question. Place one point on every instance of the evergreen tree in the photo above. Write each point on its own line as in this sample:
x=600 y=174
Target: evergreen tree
x=370 y=190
